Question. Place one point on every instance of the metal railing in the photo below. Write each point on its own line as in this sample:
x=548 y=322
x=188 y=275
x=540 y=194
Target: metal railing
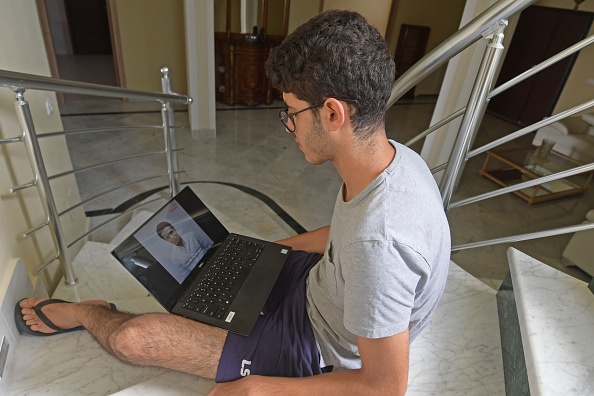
x=19 y=83
x=489 y=25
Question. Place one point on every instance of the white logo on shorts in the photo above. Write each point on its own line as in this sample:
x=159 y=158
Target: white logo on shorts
x=245 y=371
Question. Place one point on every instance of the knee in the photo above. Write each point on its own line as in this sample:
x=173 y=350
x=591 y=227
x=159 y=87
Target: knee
x=127 y=341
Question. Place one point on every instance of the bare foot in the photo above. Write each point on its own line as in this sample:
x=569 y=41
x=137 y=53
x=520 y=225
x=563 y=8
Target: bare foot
x=63 y=315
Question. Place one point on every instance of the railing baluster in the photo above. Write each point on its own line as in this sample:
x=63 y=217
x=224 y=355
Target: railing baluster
x=169 y=135
x=43 y=186
x=11 y=140
x=477 y=104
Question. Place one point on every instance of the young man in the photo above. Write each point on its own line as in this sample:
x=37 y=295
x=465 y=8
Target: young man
x=351 y=313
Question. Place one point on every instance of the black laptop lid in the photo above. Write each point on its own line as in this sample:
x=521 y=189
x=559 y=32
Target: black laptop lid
x=164 y=253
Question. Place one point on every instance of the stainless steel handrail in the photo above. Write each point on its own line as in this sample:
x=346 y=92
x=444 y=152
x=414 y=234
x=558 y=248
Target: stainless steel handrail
x=477 y=105
x=83 y=202
x=20 y=83
x=436 y=126
x=16 y=80
x=81 y=237
x=509 y=84
x=103 y=193
x=95 y=130
x=18 y=139
x=106 y=163
x=490 y=21
x=479 y=27
x=542 y=65
x=461 y=151
x=530 y=128
x=526 y=237
x=530 y=183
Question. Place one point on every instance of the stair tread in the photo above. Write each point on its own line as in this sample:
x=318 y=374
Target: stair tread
x=459 y=352
x=100 y=276
x=556 y=315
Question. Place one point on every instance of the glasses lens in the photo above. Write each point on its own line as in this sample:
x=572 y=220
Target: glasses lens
x=287 y=120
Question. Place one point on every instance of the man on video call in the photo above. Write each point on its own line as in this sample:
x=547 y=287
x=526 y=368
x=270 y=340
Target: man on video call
x=185 y=247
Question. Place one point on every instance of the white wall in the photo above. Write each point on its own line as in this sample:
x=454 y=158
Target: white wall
x=22 y=50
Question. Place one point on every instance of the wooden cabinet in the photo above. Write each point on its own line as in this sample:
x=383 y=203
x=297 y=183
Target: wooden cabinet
x=240 y=72
x=240 y=75
x=250 y=84
x=223 y=71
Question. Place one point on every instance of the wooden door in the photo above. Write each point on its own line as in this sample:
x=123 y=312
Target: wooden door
x=250 y=84
x=89 y=26
x=541 y=33
x=412 y=42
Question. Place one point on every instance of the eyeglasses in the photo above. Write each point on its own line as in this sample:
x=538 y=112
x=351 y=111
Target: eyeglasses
x=288 y=120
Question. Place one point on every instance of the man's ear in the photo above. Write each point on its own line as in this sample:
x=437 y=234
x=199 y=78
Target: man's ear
x=335 y=113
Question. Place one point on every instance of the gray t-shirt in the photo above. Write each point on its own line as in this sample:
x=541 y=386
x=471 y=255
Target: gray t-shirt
x=385 y=264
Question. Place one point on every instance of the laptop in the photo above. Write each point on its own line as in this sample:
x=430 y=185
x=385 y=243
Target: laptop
x=188 y=261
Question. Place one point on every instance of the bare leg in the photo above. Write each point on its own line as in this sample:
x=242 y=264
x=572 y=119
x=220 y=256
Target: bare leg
x=161 y=340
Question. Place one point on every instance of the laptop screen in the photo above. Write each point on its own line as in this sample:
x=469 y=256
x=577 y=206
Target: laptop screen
x=164 y=253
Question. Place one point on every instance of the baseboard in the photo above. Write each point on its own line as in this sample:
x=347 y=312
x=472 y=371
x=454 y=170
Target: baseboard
x=19 y=287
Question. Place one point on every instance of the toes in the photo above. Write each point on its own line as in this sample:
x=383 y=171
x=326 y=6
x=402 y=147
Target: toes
x=30 y=302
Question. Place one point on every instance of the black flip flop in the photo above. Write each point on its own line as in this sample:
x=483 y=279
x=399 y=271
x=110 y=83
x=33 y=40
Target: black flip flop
x=23 y=328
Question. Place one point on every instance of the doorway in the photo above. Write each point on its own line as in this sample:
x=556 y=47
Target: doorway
x=412 y=42
x=79 y=38
x=541 y=33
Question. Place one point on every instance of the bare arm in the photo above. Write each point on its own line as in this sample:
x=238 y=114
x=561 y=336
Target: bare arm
x=311 y=242
x=384 y=372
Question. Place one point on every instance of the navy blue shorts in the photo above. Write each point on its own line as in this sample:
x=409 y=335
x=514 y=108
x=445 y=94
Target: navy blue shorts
x=282 y=343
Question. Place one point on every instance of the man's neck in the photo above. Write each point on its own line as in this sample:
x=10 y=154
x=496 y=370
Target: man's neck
x=359 y=165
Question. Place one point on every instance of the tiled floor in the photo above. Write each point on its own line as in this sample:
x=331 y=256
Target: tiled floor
x=252 y=150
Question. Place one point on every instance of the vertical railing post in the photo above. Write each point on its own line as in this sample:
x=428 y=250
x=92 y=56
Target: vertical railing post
x=169 y=133
x=43 y=185
x=475 y=110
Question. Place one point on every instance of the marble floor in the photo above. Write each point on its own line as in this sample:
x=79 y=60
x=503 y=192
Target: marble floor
x=251 y=154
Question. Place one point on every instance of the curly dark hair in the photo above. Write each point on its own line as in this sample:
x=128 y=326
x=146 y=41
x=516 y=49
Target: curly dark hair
x=337 y=54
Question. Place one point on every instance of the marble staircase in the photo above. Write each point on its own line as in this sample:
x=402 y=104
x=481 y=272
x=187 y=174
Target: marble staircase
x=459 y=353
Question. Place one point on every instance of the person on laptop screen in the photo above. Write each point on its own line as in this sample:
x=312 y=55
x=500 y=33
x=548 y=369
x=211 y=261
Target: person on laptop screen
x=352 y=296
x=186 y=252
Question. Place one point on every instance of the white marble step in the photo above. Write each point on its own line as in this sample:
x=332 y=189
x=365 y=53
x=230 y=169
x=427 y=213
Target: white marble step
x=556 y=315
x=74 y=364
x=459 y=353
x=100 y=276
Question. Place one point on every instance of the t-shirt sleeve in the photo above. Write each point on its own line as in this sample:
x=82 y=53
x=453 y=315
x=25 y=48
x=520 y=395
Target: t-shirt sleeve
x=381 y=279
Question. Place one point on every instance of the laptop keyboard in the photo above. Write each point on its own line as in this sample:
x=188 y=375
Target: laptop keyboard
x=216 y=290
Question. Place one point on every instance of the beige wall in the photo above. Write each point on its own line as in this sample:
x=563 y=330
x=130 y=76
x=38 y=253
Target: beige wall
x=22 y=50
x=301 y=11
x=377 y=15
x=443 y=19
x=152 y=36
